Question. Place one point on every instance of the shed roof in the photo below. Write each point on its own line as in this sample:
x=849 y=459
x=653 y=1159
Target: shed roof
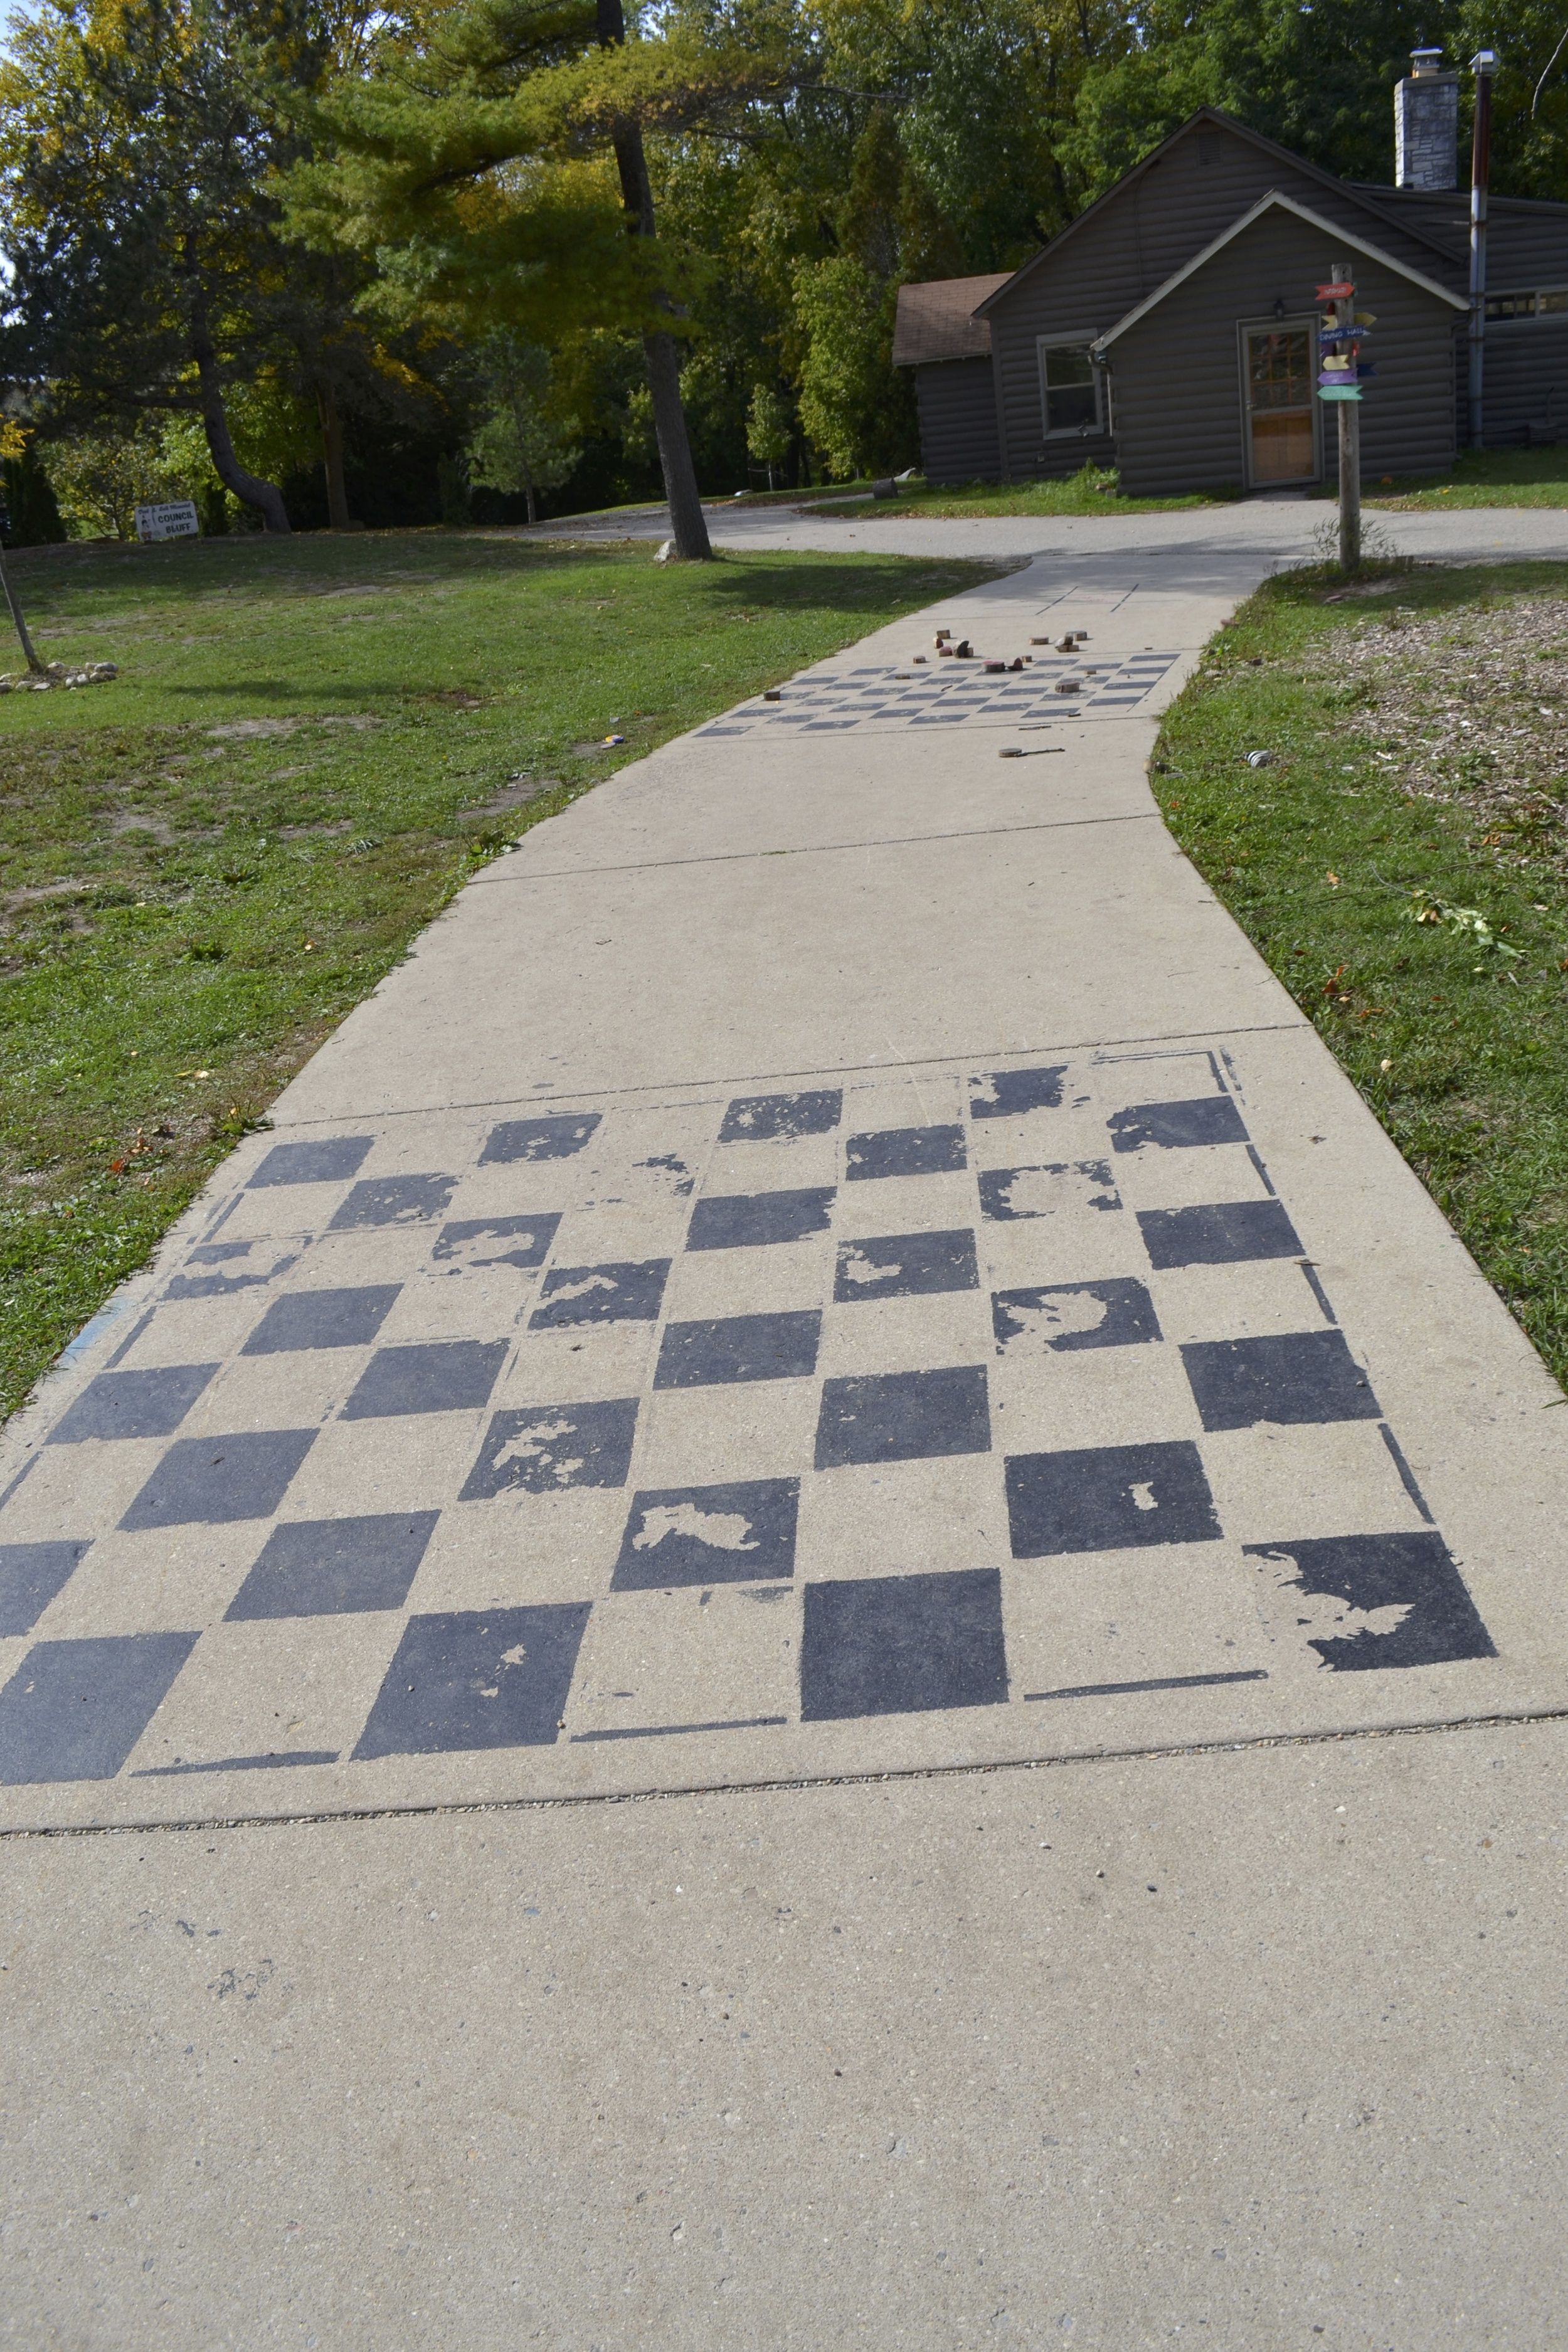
x=1277 y=201
x=935 y=319
x=1364 y=198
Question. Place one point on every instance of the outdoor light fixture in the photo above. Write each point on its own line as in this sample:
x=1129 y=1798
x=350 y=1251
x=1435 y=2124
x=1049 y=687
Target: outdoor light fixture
x=1279 y=306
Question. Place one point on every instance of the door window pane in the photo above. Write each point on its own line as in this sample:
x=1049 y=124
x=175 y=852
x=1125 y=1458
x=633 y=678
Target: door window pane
x=1279 y=366
x=1072 y=395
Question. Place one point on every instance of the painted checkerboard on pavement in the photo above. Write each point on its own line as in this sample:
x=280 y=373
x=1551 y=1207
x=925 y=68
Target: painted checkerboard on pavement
x=890 y=1404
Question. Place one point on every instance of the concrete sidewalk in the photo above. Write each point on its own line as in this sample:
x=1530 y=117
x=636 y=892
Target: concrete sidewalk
x=833 y=1261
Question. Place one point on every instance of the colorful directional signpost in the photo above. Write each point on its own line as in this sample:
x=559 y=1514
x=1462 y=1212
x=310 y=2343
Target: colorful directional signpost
x=1341 y=372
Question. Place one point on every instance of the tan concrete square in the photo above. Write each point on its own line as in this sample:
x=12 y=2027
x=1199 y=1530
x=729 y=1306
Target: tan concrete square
x=407 y=1462
x=435 y=1143
x=73 y=1491
x=778 y=1279
x=287 y=1391
x=577 y=1361
x=1229 y=1302
x=367 y=1255
x=477 y=1303
x=934 y=1098
x=1058 y=1249
x=155 y=1579
x=621 y=1234
x=520 y=1547
x=902 y=1518
x=1335 y=1478
x=770 y=1166
x=1157 y=1612
x=278 y=1212
x=1044 y=1401
x=520 y=1187
x=1189 y=1177
x=1075 y=1131
x=688 y=1657
x=906 y=1335
x=740 y=1429
x=643 y=1159
x=906 y=1204
x=301 y=1683
x=1119 y=1080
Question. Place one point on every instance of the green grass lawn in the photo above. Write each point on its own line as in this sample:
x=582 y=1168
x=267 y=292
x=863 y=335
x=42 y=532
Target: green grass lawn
x=1402 y=865
x=206 y=864
x=1480 y=478
x=1091 y=490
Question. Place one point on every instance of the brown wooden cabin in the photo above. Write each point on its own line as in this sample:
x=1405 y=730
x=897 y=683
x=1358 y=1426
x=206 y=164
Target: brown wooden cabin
x=1171 y=330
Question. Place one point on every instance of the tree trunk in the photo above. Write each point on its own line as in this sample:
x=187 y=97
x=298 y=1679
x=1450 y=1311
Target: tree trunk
x=267 y=499
x=33 y=663
x=687 y=521
x=337 y=514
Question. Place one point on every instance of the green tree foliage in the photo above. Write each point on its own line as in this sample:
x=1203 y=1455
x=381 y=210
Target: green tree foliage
x=518 y=444
x=32 y=517
x=769 y=428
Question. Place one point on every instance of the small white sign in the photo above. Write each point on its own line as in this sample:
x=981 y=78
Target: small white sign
x=174 y=519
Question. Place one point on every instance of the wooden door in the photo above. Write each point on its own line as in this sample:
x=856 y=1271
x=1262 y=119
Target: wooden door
x=1280 y=372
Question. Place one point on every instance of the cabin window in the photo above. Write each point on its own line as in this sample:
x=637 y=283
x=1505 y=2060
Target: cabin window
x=1549 y=302
x=1070 y=385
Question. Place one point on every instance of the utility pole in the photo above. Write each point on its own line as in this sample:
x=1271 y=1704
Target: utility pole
x=1339 y=381
x=1483 y=65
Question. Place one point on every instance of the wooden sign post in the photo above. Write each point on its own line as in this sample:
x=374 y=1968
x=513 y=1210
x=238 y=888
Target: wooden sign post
x=1338 y=382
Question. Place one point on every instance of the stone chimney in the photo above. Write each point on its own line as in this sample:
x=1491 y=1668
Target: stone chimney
x=1426 y=125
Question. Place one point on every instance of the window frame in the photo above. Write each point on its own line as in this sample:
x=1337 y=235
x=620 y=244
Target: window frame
x=1083 y=342
x=1538 y=297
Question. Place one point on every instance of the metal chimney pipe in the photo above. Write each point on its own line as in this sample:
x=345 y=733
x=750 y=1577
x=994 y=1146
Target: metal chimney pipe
x=1483 y=65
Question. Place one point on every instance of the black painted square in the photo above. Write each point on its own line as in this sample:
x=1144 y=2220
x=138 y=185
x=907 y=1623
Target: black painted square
x=477 y=1678
x=555 y=1136
x=1007 y=1194
x=600 y=1293
x=543 y=1448
x=428 y=1376
x=475 y=1241
x=1116 y=1312
x=755 y=1220
x=1412 y=1573
x=906 y=1265
x=1177 y=1126
x=1295 y=1377
x=394 y=1201
x=321 y=1318
x=74 y=1710
x=1007 y=1094
x=902 y=1645
x=739 y=1347
x=30 y=1576
x=132 y=1404
x=1107 y=1497
x=742 y=1533
x=332 y=1160
x=780 y=1118
x=904 y=1416
x=1225 y=1233
x=325 y=1568
x=905 y=1151
x=209 y=1481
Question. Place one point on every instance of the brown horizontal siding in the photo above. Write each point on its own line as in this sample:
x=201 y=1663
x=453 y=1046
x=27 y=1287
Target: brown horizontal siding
x=1158 y=222
x=1176 y=376
x=957 y=407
